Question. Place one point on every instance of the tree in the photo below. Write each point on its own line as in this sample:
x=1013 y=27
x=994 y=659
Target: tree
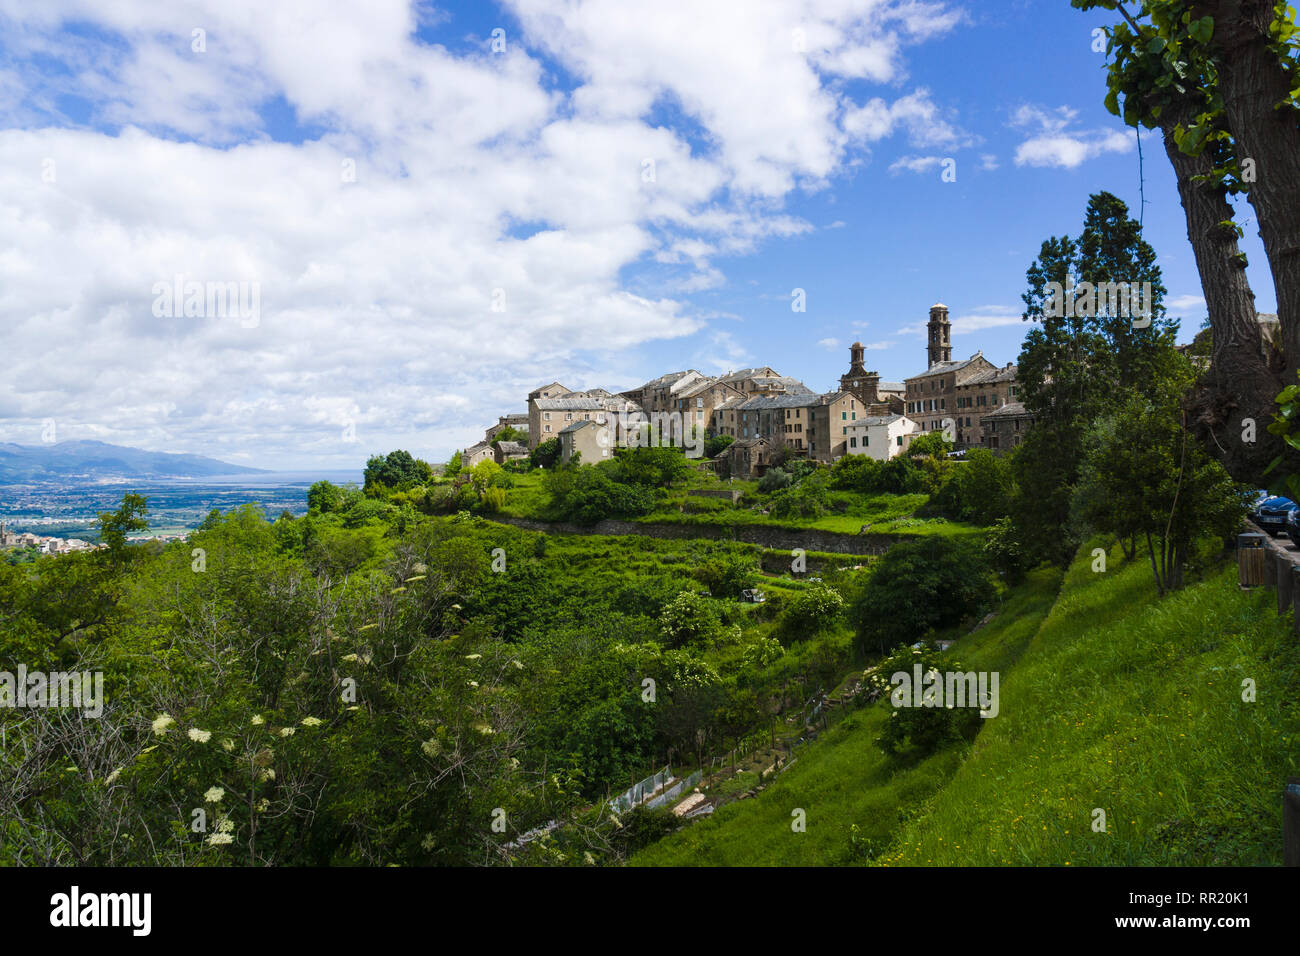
x=114 y=526
x=1086 y=353
x=657 y=467
x=689 y=619
x=979 y=489
x=919 y=586
x=930 y=443
x=926 y=728
x=1162 y=489
x=546 y=454
x=397 y=470
x=324 y=498
x=715 y=446
x=1220 y=79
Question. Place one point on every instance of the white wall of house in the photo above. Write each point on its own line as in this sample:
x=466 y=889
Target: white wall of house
x=881 y=440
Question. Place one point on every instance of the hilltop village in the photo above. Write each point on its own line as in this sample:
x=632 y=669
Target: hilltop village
x=769 y=414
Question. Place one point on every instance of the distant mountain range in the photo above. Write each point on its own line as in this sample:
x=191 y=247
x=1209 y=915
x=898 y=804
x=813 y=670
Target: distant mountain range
x=96 y=459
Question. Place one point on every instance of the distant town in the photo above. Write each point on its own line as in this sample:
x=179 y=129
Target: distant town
x=769 y=415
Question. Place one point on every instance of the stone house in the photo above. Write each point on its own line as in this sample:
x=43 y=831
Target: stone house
x=471 y=456
x=1005 y=428
x=976 y=396
x=810 y=425
x=660 y=394
x=504 y=451
x=547 y=417
x=589 y=438
x=747 y=457
x=764 y=381
x=698 y=402
x=932 y=396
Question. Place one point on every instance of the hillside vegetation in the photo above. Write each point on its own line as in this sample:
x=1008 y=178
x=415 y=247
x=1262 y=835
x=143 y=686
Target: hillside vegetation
x=1120 y=702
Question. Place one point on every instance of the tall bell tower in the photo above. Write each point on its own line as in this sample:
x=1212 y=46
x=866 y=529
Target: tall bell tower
x=939 y=348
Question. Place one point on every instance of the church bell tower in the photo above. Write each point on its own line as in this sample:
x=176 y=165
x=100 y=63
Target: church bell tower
x=939 y=348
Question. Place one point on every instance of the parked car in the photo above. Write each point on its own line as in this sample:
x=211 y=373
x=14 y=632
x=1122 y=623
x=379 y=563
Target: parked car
x=1293 y=526
x=1271 y=513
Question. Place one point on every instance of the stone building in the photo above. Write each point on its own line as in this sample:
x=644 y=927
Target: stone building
x=880 y=398
x=660 y=394
x=764 y=380
x=1005 y=428
x=698 y=402
x=547 y=417
x=471 y=456
x=747 y=457
x=589 y=438
x=938 y=336
x=976 y=396
x=930 y=398
x=810 y=425
x=504 y=451
x=517 y=422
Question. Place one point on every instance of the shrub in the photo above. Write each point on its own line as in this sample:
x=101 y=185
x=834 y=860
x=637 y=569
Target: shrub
x=687 y=619
x=727 y=577
x=586 y=495
x=774 y=479
x=926 y=728
x=812 y=612
x=979 y=489
x=919 y=586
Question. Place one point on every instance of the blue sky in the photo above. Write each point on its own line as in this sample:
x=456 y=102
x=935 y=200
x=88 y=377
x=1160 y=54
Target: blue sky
x=793 y=145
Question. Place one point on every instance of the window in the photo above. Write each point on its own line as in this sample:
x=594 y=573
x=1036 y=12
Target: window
x=844 y=416
x=900 y=441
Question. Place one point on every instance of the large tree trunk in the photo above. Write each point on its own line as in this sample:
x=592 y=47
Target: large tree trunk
x=1239 y=384
x=1252 y=82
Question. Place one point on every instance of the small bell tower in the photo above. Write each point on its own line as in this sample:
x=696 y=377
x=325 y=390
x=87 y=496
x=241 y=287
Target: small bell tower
x=939 y=347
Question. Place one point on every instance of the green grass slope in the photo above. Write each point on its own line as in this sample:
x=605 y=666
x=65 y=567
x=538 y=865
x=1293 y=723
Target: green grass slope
x=1116 y=700
x=1132 y=705
x=843 y=779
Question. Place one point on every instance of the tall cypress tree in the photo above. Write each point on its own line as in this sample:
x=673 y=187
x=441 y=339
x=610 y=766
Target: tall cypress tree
x=1089 y=350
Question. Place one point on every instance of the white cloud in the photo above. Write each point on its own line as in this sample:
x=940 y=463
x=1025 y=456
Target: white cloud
x=925 y=123
x=1053 y=142
x=976 y=320
x=1185 y=303
x=829 y=343
x=915 y=164
x=474 y=173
